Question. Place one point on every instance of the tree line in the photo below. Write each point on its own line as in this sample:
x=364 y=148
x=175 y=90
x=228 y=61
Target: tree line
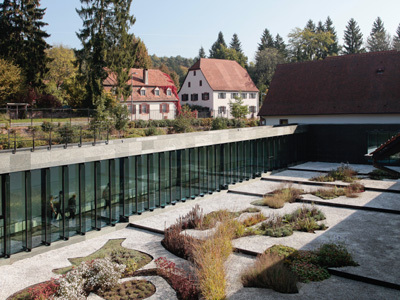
x=32 y=71
x=313 y=42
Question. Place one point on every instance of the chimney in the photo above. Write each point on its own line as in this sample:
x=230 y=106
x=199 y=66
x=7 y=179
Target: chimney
x=145 y=76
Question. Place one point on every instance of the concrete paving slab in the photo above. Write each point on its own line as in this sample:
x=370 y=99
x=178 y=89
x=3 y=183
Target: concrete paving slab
x=327 y=166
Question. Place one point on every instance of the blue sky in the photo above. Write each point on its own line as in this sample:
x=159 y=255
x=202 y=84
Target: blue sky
x=181 y=27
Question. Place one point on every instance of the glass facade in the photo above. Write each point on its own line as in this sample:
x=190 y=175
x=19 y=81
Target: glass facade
x=39 y=207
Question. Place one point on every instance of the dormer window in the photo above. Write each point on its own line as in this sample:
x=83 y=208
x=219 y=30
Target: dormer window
x=169 y=93
x=157 y=92
x=142 y=92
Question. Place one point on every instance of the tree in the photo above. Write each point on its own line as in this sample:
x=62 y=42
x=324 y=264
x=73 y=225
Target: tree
x=378 y=39
x=396 y=39
x=10 y=81
x=22 y=39
x=279 y=44
x=238 y=109
x=61 y=66
x=311 y=26
x=266 y=62
x=266 y=40
x=96 y=17
x=74 y=90
x=334 y=48
x=120 y=57
x=202 y=53
x=309 y=45
x=235 y=43
x=353 y=38
x=216 y=47
x=172 y=74
x=142 y=58
x=232 y=54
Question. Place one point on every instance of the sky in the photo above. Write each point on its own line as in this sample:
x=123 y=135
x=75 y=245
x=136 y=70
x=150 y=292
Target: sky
x=181 y=27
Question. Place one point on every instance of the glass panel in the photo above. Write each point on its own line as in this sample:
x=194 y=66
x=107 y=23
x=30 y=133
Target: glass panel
x=194 y=172
x=17 y=224
x=175 y=180
x=88 y=210
x=164 y=179
x=130 y=186
x=240 y=154
x=36 y=194
x=103 y=198
x=211 y=169
x=152 y=161
x=234 y=164
x=57 y=200
x=142 y=183
x=203 y=171
x=72 y=205
x=185 y=178
x=116 y=190
x=227 y=164
x=248 y=159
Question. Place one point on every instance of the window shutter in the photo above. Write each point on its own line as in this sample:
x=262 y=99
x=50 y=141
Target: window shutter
x=148 y=108
x=161 y=108
x=167 y=108
x=140 y=108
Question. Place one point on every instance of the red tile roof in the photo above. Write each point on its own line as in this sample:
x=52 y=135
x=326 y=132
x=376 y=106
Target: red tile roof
x=366 y=83
x=225 y=75
x=156 y=78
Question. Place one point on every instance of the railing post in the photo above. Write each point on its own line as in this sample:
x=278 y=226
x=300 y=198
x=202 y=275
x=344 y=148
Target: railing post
x=50 y=142
x=94 y=135
x=80 y=138
x=33 y=140
x=65 y=137
x=108 y=133
x=15 y=142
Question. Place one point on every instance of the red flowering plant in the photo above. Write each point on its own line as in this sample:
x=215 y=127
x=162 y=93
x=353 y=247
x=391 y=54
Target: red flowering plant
x=44 y=290
x=183 y=283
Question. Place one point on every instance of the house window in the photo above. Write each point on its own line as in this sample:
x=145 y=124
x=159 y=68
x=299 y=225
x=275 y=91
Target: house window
x=143 y=92
x=244 y=95
x=194 y=97
x=169 y=93
x=283 y=121
x=164 y=108
x=221 y=95
x=234 y=95
x=252 y=109
x=205 y=96
x=144 y=108
x=201 y=82
x=221 y=109
x=185 y=97
x=253 y=95
x=189 y=84
x=157 y=92
x=194 y=73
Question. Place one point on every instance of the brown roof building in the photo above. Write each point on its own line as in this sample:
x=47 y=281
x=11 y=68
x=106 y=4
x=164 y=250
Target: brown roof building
x=154 y=94
x=214 y=83
x=355 y=89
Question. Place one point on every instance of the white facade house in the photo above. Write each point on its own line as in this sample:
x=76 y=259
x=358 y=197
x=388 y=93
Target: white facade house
x=214 y=83
x=154 y=95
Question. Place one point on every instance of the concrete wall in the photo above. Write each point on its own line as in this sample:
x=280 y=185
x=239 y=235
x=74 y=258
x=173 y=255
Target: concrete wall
x=335 y=119
x=58 y=156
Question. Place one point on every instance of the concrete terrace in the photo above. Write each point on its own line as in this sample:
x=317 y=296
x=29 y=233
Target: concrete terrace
x=367 y=225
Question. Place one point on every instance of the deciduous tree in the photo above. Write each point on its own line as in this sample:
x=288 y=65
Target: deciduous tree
x=11 y=81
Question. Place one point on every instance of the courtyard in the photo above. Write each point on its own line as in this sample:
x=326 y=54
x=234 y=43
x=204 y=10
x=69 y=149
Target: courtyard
x=367 y=225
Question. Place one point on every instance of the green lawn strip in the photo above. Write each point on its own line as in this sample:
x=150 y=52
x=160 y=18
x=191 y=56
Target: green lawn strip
x=133 y=259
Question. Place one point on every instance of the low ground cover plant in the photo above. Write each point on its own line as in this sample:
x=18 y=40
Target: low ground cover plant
x=343 y=173
x=302 y=219
x=279 y=197
x=113 y=250
x=350 y=191
x=128 y=290
x=281 y=267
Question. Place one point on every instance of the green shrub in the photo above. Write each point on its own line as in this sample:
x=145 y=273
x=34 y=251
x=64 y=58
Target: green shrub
x=378 y=174
x=153 y=131
x=333 y=256
x=47 y=126
x=219 y=123
x=140 y=123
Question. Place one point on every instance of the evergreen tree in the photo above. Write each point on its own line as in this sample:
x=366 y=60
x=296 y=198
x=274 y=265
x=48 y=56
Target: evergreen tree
x=320 y=27
x=279 y=44
x=140 y=53
x=353 y=38
x=266 y=40
x=396 y=39
x=235 y=43
x=22 y=39
x=333 y=49
x=216 y=47
x=202 y=53
x=310 y=26
x=96 y=17
x=378 y=40
x=121 y=58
